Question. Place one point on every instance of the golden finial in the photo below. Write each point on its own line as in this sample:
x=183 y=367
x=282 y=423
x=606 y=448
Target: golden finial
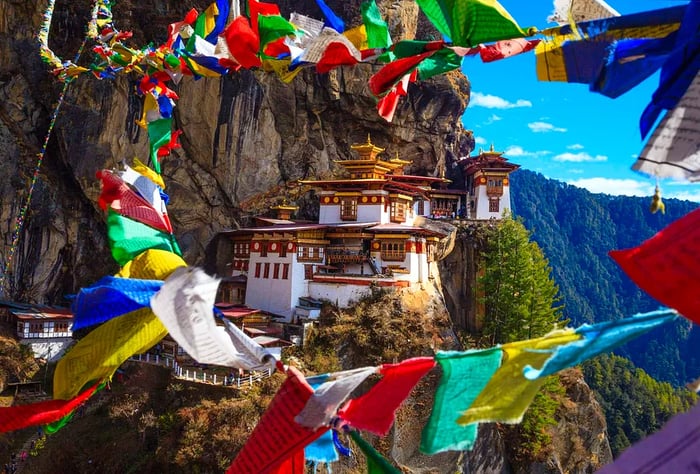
x=656 y=203
x=369 y=141
x=492 y=148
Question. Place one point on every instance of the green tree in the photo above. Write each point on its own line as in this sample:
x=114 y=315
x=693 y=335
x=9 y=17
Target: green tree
x=520 y=296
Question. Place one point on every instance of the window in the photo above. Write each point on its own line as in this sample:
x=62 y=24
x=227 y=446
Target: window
x=494 y=205
x=285 y=271
x=348 y=209
x=263 y=249
x=240 y=295
x=308 y=272
x=309 y=254
x=266 y=272
x=241 y=249
x=421 y=208
x=257 y=269
x=398 y=211
x=276 y=271
x=394 y=251
x=283 y=249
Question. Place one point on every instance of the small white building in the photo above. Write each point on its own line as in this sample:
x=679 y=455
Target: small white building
x=47 y=330
x=487 y=181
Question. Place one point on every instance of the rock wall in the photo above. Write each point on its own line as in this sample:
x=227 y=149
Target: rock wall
x=243 y=135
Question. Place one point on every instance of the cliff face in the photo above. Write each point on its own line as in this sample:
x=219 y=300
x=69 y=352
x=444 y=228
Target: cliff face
x=243 y=135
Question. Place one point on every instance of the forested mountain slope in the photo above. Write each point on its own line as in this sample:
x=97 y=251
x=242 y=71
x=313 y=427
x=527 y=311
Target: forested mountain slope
x=576 y=229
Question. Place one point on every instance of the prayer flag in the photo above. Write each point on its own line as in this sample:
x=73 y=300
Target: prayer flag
x=672 y=151
x=566 y=11
x=442 y=61
x=385 y=79
x=665 y=266
x=494 y=404
x=148 y=173
x=376 y=463
x=375 y=410
x=159 y=132
x=375 y=27
x=506 y=48
x=322 y=450
x=464 y=375
x=40 y=413
x=273 y=27
x=128 y=238
x=674 y=448
x=332 y=20
x=119 y=197
x=153 y=264
x=599 y=338
x=243 y=43
x=277 y=436
x=110 y=297
x=103 y=350
x=324 y=403
x=471 y=22
x=185 y=306
x=258 y=9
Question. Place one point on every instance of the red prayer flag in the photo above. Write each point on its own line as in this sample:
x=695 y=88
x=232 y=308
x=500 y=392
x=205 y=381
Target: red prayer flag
x=277 y=437
x=295 y=464
x=666 y=265
x=243 y=43
x=387 y=104
x=260 y=8
x=390 y=74
x=126 y=202
x=40 y=413
x=375 y=410
x=336 y=54
x=506 y=48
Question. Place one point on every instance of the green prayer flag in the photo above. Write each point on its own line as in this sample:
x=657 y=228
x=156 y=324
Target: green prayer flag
x=272 y=28
x=471 y=22
x=54 y=427
x=128 y=238
x=376 y=463
x=375 y=26
x=406 y=48
x=442 y=61
x=464 y=375
x=159 y=133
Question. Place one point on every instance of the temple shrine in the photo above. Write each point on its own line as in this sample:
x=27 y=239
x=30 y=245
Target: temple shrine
x=371 y=231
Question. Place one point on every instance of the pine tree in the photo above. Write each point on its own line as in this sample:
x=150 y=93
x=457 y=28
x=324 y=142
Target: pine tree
x=519 y=293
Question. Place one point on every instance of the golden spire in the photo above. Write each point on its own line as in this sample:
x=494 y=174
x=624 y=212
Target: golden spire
x=492 y=148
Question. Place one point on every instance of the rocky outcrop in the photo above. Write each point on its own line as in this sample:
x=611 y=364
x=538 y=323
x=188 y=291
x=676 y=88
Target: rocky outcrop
x=242 y=135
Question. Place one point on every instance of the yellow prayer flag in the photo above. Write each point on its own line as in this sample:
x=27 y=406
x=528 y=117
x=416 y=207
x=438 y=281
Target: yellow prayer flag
x=147 y=172
x=281 y=68
x=357 y=36
x=153 y=264
x=508 y=394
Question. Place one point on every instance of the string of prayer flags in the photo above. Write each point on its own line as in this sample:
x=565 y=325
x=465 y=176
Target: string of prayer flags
x=376 y=463
x=327 y=398
x=472 y=22
x=665 y=265
x=184 y=305
x=160 y=140
x=375 y=410
x=40 y=413
x=494 y=404
x=110 y=297
x=599 y=338
x=277 y=436
x=243 y=43
x=147 y=173
x=129 y=238
x=100 y=353
x=671 y=151
x=464 y=376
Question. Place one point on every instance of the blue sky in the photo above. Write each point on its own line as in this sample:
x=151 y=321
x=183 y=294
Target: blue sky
x=563 y=130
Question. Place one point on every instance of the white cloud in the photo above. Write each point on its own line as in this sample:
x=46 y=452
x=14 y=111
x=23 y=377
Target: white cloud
x=493 y=118
x=683 y=195
x=515 y=150
x=480 y=140
x=494 y=102
x=618 y=187
x=575 y=146
x=544 y=127
x=580 y=157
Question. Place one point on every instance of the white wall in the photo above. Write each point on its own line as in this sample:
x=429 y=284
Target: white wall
x=49 y=349
x=269 y=294
x=339 y=293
